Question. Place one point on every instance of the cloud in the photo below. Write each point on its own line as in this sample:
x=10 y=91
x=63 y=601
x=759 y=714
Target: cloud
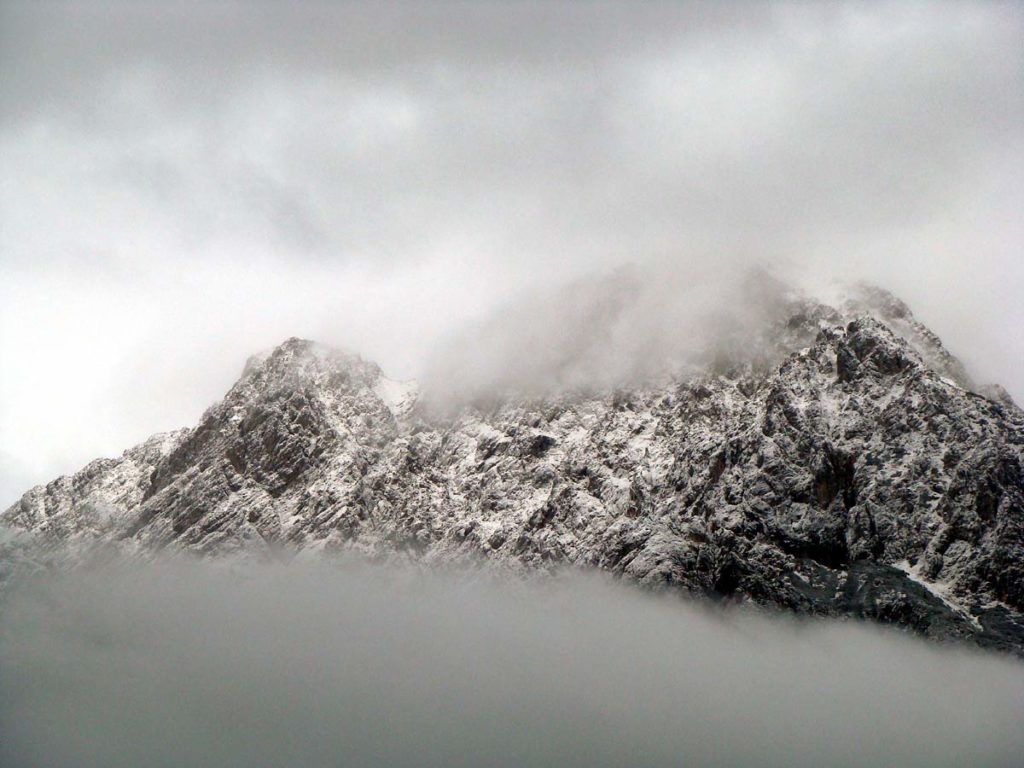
x=188 y=664
x=184 y=184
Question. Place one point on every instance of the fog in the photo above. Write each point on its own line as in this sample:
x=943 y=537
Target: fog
x=185 y=664
x=184 y=184
x=625 y=327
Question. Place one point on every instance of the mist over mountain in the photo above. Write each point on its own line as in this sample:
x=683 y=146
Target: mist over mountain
x=634 y=325
x=511 y=383
x=183 y=185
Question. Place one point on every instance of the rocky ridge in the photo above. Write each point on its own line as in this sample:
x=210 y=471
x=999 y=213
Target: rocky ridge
x=850 y=468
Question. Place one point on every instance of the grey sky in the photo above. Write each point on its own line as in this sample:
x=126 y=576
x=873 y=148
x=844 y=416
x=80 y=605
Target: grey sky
x=183 y=184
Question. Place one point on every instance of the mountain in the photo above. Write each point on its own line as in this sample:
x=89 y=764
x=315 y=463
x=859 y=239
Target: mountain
x=848 y=468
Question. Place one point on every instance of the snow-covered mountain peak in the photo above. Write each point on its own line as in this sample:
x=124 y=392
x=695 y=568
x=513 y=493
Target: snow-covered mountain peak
x=299 y=361
x=826 y=459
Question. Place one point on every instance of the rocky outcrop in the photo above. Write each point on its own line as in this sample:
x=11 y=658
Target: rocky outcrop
x=854 y=472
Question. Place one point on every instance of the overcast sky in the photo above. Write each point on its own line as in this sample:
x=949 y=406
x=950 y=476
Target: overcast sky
x=183 y=184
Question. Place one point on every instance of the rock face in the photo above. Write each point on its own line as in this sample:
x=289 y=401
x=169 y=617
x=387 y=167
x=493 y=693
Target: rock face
x=854 y=471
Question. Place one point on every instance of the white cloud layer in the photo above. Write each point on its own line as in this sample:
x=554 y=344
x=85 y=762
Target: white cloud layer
x=183 y=184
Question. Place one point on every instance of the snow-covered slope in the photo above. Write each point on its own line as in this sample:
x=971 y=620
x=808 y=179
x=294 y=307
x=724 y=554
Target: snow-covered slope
x=849 y=470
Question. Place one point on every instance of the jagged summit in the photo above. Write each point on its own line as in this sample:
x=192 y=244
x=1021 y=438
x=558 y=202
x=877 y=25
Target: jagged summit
x=832 y=459
x=295 y=355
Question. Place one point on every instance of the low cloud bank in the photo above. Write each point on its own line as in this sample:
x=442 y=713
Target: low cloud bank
x=177 y=665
